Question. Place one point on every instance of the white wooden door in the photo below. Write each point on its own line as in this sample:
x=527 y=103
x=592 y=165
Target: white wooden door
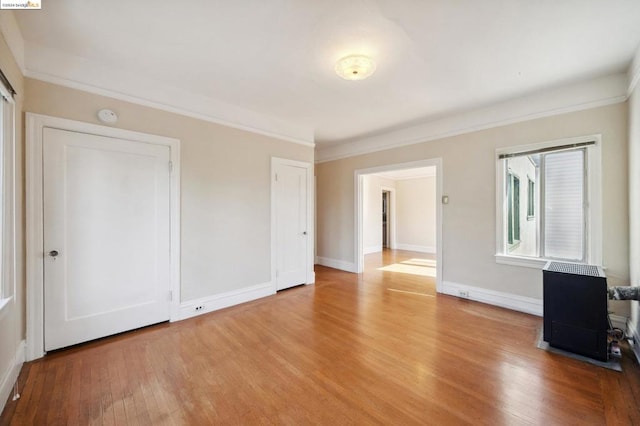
x=106 y=236
x=291 y=226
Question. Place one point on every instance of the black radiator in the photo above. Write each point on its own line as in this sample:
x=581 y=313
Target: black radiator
x=575 y=308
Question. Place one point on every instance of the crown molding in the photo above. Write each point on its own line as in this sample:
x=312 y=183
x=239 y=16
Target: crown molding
x=425 y=172
x=634 y=72
x=580 y=96
x=13 y=37
x=53 y=66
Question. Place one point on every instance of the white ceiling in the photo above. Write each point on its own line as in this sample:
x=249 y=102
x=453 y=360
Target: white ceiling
x=274 y=60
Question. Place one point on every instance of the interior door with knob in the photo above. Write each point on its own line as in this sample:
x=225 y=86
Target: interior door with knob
x=291 y=225
x=106 y=236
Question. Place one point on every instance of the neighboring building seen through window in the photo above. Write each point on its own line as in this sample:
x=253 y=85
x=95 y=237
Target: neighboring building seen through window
x=531 y=199
x=513 y=210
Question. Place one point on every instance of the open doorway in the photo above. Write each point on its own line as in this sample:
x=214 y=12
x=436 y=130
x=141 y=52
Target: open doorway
x=398 y=220
x=386 y=237
x=378 y=221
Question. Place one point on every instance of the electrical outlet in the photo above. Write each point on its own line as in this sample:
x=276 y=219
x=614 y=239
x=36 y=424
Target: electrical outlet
x=199 y=307
x=463 y=293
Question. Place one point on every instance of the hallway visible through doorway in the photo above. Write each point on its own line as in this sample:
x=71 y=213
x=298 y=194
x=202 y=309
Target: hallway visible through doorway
x=399 y=211
x=386 y=240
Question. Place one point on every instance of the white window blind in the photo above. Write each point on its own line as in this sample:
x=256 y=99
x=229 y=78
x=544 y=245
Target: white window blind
x=564 y=192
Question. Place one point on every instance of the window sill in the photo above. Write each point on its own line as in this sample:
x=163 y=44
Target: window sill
x=527 y=262
x=513 y=246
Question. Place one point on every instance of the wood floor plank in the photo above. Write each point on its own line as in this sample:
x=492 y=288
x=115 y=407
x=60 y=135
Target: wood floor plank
x=375 y=348
x=33 y=393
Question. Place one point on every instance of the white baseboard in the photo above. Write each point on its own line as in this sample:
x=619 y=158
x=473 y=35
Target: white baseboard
x=514 y=302
x=336 y=264
x=411 y=247
x=632 y=332
x=618 y=321
x=224 y=300
x=372 y=249
x=6 y=387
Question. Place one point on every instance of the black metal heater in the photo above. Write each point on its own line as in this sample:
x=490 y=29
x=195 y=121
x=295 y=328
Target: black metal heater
x=575 y=308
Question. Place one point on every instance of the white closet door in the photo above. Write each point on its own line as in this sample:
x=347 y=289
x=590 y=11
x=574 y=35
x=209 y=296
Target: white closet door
x=106 y=236
x=291 y=226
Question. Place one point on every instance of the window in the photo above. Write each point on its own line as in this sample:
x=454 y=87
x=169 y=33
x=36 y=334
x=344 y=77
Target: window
x=7 y=182
x=555 y=216
x=513 y=210
x=531 y=199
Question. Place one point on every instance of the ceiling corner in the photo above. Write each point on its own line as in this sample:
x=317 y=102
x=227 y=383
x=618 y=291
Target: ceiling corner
x=592 y=93
x=13 y=37
x=57 y=67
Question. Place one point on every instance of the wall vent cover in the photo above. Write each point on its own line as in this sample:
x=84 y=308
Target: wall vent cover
x=574 y=268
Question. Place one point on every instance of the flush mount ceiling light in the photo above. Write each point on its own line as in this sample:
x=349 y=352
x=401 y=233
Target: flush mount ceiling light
x=355 y=67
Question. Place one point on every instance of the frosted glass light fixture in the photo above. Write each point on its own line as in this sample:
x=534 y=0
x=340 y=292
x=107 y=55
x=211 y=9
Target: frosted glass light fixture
x=355 y=67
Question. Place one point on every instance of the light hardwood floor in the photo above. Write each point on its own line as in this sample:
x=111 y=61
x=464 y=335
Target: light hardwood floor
x=375 y=348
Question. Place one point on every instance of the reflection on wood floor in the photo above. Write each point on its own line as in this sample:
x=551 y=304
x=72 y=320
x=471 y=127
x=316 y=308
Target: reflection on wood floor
x=347 y=350
x=418 y=270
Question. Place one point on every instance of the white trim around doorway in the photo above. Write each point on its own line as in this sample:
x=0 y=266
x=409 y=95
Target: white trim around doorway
x=35 y=125
x=358 y=177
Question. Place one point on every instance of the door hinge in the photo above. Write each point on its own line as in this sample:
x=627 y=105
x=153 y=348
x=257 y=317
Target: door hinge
x=170 y=296
x=277 y=274
x=276 y=177
x=170 y=166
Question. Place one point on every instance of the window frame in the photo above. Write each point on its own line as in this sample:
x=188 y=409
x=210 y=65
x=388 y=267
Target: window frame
x=513 y=210
x=593 y=204
x=7 y=198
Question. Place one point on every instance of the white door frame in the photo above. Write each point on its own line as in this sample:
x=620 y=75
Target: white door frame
x=275 y=162
x=358 y=175
x=35 y=124
x=391 y=214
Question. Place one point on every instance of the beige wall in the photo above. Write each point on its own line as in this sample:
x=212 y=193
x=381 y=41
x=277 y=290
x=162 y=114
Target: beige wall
x=372 y=187
x=12 y=319
x=416 y=214
x=225 y=176
x=469 y=168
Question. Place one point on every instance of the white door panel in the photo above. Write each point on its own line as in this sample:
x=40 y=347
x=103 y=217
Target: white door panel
x=106 y=213
x=291 y=226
